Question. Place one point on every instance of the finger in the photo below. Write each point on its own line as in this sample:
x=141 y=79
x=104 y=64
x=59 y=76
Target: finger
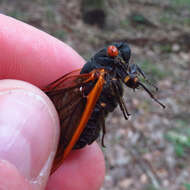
x=83 y=169
x=32 y=55
x=10 y=178
x=28 y=130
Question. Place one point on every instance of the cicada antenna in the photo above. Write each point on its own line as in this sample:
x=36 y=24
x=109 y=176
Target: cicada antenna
x=145 y=78
x=151 y=95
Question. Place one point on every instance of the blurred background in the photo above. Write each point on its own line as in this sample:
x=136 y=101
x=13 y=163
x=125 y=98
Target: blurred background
x=151 y=150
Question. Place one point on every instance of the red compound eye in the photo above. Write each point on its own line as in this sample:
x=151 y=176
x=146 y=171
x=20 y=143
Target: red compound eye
x=112 y=51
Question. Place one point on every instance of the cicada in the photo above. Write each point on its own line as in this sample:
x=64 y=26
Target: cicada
x=83 y=98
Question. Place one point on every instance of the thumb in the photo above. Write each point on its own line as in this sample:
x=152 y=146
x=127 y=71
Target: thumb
x=28 y=131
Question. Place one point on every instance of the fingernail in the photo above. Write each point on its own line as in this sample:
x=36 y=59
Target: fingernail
x=27 y=132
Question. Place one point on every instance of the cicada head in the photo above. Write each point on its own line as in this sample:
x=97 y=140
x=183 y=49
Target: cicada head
x=128 y=73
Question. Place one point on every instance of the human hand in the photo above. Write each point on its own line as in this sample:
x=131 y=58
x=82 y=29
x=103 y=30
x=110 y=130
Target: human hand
x=29 y=125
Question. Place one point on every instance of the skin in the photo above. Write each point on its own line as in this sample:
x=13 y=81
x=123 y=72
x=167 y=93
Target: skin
x=29 y=125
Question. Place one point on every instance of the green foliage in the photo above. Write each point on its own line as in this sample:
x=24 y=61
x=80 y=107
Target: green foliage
x=153 y=70
x=125 y=23
x=180 y=138
x=138 y=18
x=187 y=186
x=50 y=15
x=60 y=34
x=99 y=4
x=180 y=3
x=123 y=2
x=183 y=124
x=152 y=187
x=166 y=48
x=49 y=2
x=179 y=150
x=186 y=21
x=18 y=15
x=168 y=17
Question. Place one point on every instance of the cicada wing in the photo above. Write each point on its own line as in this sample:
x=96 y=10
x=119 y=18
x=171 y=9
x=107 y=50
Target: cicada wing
x=69 y=80
x=73 y=108
x=70 y=106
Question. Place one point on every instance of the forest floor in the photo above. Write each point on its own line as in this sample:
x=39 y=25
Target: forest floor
x=151 y=150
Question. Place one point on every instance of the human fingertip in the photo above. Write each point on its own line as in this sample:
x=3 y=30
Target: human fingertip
x=11 y=179
x=29 y=130
x=86 y=167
